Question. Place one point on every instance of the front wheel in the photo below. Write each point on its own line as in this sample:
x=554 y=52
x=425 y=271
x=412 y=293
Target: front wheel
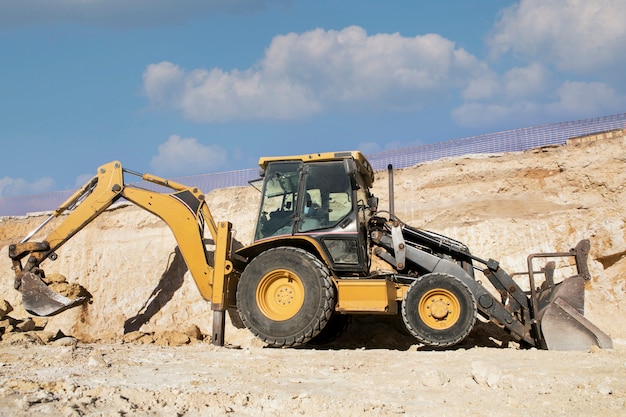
x=285 y=296
x=439 y=310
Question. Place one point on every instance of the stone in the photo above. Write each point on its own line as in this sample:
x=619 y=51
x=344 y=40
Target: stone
x=26 y=325
x=171 y=338
x=5 y=308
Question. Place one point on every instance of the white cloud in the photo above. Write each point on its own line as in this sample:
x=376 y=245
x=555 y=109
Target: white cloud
x=187 y=156
x=573 y=35
x=579 y=98
x=517 y=82
x=525 y=81
x=303 y=74
x=568 y=100
x=485 y=86
x=18 y=186
x=217 y=96
x=164 y=82
x=121 y=13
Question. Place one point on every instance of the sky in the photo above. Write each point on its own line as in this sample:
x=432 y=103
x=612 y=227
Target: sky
x=185 y=87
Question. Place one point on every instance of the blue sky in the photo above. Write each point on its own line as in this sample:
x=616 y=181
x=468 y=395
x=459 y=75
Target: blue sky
x=182 y=87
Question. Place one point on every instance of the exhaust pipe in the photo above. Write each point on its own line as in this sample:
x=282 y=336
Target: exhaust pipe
x=391 y=193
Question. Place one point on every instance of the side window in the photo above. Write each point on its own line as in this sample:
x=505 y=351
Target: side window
x=328 y=196
x=339 y=205
x=280 y=191
x=312 y=216
x=343 y=251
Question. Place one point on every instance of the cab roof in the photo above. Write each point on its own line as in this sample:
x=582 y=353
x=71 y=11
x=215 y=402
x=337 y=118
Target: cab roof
x=363 y=165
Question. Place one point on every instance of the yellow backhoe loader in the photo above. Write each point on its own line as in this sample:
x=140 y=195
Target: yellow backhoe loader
x=323 y=250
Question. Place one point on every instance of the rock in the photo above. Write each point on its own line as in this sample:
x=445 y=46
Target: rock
x=146 y=339
x=46 y=336
x=138 y=337
x=5 y=308
x=7 y=325
x=434 y=378
x=55 y=278
x=485 y=374
x=39 y=397
x=96 y=360
x=193 y=332
x=22 y=339
x=171 y=338
x=604 y=388
x=66 y=341
x=58 y=283
x=26 y=325
x=40 y=322
x=132 y=336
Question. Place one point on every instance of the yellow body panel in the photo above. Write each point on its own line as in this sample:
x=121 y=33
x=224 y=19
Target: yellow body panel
x=368 y=296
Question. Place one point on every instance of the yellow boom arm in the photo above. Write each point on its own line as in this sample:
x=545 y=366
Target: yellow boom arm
x=184 y=210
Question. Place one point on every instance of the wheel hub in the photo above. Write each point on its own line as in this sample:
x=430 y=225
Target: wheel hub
x=439 y=308
x=280 y=295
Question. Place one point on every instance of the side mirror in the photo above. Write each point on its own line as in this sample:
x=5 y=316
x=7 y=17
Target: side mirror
x=350 y=167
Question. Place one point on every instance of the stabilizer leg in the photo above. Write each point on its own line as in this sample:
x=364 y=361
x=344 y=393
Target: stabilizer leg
x=219 y=324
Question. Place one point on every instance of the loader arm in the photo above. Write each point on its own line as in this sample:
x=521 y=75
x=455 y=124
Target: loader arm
x=184 y=210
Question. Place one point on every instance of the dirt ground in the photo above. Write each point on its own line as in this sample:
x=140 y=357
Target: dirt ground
x=203 y=380
x=141 y=347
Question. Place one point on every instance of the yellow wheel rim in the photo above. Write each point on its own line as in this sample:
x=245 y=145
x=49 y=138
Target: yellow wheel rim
x=439 y=309
x=280 y=295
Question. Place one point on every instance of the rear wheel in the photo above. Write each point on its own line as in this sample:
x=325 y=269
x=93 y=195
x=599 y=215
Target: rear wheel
x=285 y=296
x=439 y=310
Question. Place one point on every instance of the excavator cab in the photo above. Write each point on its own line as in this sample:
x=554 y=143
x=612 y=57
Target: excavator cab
x=322 y=197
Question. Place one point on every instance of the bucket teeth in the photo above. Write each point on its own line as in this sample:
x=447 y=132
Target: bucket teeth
x=38 y=299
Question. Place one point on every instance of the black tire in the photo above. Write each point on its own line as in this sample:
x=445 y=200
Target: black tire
x=285 y=296
x=439 y=310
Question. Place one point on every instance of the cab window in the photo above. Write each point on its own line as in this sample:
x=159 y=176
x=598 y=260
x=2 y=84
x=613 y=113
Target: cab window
x=327 y=196
x=278 y=204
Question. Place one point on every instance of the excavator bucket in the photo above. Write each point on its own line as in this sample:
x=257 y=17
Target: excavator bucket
x=38 y=299
x=559 y=307
x=563 y=325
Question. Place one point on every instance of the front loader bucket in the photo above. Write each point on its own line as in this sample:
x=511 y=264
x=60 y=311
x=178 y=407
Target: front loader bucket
x=38 y=299
x=562 y=322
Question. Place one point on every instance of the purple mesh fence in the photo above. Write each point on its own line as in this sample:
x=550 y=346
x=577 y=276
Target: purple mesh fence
x=507 y=141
